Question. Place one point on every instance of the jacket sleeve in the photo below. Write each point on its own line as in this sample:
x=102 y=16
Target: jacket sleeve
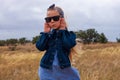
x=68 y=38
x=42 y=43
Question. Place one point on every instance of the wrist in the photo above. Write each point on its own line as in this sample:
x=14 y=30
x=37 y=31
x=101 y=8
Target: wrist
x=46 y=30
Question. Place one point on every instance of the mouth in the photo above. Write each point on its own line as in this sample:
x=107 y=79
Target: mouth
x=53 y=25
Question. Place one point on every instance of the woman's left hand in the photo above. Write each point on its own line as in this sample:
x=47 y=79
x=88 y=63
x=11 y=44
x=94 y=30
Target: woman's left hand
x=62 y=24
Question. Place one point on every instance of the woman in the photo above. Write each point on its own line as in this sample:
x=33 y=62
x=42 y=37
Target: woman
x=57 y=41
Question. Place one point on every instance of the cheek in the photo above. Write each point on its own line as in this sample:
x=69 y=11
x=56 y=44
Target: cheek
x=49 y=24
x=58 y=24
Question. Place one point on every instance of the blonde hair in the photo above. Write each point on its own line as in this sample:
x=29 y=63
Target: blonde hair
x=75 y=50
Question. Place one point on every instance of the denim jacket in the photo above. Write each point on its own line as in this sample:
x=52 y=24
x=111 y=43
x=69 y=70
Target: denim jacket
x=60 y=40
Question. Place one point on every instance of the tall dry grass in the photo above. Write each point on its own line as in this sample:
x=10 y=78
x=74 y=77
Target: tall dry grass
x=99 y=62
x=21 y=64
x=94 y=62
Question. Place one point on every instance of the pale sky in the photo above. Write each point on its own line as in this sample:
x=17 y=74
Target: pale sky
x=25 y=18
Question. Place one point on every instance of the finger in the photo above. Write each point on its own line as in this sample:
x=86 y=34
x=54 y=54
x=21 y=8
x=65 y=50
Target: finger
x=46 y=24
x=62 y=19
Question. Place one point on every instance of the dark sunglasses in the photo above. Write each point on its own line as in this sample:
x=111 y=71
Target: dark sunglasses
x=55 y=18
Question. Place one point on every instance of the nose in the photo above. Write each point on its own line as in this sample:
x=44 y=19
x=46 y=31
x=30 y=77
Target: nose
x=52 y=20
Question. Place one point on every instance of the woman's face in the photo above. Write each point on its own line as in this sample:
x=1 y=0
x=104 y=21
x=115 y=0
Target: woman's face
x=53 y=19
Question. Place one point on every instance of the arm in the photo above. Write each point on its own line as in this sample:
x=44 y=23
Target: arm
x=68 y=39
x=42 y=43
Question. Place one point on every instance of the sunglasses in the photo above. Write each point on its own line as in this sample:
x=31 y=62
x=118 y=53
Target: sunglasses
x=55 y=18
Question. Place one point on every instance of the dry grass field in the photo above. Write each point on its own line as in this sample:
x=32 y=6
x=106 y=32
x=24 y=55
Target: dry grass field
x=94 y=62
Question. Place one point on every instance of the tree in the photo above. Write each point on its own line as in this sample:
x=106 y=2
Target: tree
x=102 y=38
x=11 y=41
x=12 y=44
x=2 y=42
x=91 y=36
x=22 y=40
x=34 y=40
x=118 y=39
x=82 y=35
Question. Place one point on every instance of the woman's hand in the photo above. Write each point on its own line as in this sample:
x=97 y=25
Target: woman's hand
x=46 y=28
x=62 y=24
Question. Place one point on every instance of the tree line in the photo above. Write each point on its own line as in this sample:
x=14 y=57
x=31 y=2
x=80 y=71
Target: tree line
x=85 y=36
x=91 y=36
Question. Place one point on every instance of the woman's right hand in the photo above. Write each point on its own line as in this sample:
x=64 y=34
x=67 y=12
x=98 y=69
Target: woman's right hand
x=46 y=28
x=62 y=24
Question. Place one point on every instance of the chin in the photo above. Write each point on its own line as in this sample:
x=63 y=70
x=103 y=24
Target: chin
x=55 y=27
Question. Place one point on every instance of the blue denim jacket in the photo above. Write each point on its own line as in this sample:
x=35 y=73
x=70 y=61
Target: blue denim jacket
x=60 y=40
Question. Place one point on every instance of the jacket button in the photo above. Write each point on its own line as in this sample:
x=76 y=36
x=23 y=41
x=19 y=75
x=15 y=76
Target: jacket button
x=62 y=67
x=53 y=54
x=60 y=59
x=51 y=60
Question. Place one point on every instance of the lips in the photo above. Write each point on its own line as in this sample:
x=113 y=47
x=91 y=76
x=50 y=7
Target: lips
x=53 y=24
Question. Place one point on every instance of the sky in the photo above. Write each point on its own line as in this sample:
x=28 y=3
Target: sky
x=25 y=18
